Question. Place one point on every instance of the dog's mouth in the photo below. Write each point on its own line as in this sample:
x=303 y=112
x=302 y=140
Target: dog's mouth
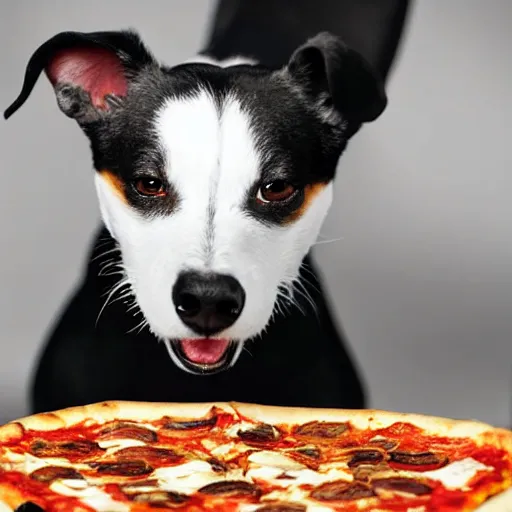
x=205 y=356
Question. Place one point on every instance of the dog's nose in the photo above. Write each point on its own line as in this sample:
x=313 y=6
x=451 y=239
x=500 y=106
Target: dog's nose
x=208 y=303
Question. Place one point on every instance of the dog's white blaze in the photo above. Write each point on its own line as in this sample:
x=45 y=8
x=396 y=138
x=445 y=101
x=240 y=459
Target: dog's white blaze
x=224 y=63
x=212 y=161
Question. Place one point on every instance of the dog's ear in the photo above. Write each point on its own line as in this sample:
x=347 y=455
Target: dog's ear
x=338 y=78
x=90 y=72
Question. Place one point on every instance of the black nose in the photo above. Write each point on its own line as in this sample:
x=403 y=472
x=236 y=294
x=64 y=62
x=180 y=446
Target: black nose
x=208 y=303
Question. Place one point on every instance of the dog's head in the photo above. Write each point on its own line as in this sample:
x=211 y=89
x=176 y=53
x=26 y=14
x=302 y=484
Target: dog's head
x=213 y=180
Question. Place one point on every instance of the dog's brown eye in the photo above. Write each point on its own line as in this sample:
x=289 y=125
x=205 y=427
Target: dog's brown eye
x=278 y=190
x=150 y=187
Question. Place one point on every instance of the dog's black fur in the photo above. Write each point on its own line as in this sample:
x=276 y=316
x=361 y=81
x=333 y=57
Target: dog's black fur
x=300 y=361
x=85 y=363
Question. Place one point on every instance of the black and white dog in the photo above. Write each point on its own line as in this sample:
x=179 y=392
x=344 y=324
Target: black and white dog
x=213 y=180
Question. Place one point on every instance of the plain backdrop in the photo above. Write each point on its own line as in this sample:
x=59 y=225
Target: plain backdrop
x=420 y=272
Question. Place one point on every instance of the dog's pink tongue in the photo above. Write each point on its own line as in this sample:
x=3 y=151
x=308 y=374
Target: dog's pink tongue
x=204 y=350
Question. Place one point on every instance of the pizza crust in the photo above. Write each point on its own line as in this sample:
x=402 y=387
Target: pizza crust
x=500 y=503
x=374 y=419
x=362 y=418
x=103 y=412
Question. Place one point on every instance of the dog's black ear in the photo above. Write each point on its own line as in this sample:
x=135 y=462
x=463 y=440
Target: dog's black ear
x=90 y=72
x=336 y=77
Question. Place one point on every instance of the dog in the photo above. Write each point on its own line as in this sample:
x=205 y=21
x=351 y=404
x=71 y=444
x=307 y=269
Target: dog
x=213 y=180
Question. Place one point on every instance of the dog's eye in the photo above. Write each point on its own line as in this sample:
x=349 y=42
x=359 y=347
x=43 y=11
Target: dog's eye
x=278 y=190
x=150 y=187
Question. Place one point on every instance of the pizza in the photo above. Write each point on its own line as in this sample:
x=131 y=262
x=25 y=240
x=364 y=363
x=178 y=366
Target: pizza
x=132 y=456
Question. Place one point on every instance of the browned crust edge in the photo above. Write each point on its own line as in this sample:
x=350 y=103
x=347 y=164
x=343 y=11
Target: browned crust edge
x=366 y=418
x=500 y=503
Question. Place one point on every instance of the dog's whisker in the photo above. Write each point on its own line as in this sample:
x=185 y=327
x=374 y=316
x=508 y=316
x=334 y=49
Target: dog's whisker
x=139 y=327
x=102 y=242
x=314 y=284
x=245 y=349
x=330 y=241
x=133 y=306
x=112 y=263
x=308 y=281
x=121 y=284
x=303 y=291
x=287 y=290
x=105 y=253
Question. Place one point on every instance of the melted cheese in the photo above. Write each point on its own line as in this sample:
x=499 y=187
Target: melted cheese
x=31 y=463
x=295 y=477
x=234 y=429
x=114 y=445
x=4 y=507
x=274 y=460
x=89 y=495
x=223 y=449
x=457 y=474
x=189 y=477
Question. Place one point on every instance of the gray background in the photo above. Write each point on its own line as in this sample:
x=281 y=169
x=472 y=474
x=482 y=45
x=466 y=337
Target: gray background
x=422 y=275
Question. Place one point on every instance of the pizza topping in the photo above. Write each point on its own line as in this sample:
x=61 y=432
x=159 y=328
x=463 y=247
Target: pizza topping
x=51 y=473
x=128 y=431
x=457 y=474
x=231 y=488
x=93 y=496
x=401 y=485
x=365 y=457
x=365 y=471
x=191 y=424
x=41 y=448
x=384 y=443
x=161 y=499
x=282 y=507
x=309 y=451
x=274 y=460
x=217 y=465
x=126 y=468
x=342 y=490
x=149 y=454
x=321 y=429
x=139 y=485
x=428 y=459
x=262 y=433
x=190 y=477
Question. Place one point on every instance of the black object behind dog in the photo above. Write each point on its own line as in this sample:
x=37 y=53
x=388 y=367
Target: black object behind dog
x=303 y=360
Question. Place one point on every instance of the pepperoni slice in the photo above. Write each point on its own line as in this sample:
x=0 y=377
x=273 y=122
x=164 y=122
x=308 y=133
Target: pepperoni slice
x=83 y=447
x=340 y=490
x=231 y=488
x=161 y=498
x=150 y=454
x=385 y=444
x=191 y=425
x=321 y=429
x=217 y=465
x=403 y=485
x=126 y=468
x=365 y=457
x=424 y=461
x=282 y=507
x=122 y=430
x=51 y=473
x=311 y=452
x=262 y=433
